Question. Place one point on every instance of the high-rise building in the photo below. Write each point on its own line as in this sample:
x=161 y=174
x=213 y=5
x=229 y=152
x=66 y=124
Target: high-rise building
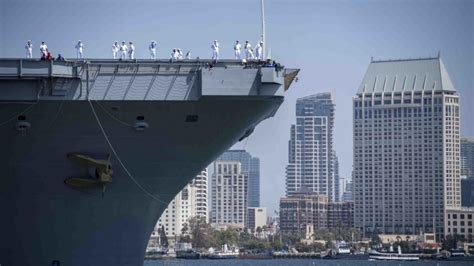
x=337 y=185
x=201 y=190
x=406 y=147
x=341 y=214
x=347 y=196
x=305 y=208
x=467 y=192
x=190 y=202
x=467 y=172
x=229 y=185
x=250 y=165
x=311 y=156
x=301 y=209
x=467 y=157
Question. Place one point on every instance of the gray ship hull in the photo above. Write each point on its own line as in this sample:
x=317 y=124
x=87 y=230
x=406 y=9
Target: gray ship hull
x=49 y=220
x=191 y=118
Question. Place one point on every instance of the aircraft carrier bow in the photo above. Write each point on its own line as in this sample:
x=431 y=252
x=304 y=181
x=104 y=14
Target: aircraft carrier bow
x=93 y=151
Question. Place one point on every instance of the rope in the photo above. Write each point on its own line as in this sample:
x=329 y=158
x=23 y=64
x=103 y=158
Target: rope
x=60 y=108
x=112 y=116
x=16 y=116
x=120 y=160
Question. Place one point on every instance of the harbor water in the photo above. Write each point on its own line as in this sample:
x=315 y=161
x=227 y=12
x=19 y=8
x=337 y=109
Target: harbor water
x=304 y=262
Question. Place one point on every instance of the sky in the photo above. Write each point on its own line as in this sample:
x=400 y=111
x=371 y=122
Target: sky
x=331 y=41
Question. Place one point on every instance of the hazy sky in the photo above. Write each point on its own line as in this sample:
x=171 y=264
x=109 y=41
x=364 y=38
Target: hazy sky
x=331 y=41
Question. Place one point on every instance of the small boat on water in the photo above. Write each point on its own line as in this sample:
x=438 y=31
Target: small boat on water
x=459 y=252
x=155 y=253
x=185 y=251
x=375 y=255
x=189 y=254
x=343 y=248
x=156 y=250
x=225 y=253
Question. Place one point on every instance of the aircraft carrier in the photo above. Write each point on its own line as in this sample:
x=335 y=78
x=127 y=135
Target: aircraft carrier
x=93 y=151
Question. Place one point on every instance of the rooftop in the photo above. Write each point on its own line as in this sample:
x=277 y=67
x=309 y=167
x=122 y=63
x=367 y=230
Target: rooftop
x=423 y=74
x=317 y=96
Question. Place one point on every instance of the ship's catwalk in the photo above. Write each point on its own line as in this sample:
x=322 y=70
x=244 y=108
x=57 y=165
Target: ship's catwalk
x=93 y=151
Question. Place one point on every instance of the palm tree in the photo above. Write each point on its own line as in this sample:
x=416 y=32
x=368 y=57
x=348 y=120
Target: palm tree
x=184 y=230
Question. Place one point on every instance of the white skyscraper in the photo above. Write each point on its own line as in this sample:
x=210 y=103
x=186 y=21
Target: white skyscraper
x=229 y=187
x=190 y=202
x=406 y=147
x=311 y=158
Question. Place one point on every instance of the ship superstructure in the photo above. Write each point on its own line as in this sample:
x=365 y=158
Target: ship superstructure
x=93 y=151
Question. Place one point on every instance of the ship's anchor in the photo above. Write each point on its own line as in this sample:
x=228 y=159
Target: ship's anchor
x=103 y=172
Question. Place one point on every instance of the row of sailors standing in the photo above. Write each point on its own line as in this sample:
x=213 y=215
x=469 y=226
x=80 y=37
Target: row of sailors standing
x=45 y=53
x=249 y=51
x=177 y=54
x=29 y=49
x=118 y=51
x=125 y=51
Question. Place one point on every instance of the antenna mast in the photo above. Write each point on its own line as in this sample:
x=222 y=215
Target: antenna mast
x=263 y=31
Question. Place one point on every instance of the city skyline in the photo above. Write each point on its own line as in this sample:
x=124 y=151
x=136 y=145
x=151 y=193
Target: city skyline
x=332 y=44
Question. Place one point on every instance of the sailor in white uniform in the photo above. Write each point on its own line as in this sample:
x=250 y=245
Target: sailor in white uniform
x=123 y=51
x=131 y=51
x=80 y=49
x=259 y=51
x=248 y=50
x=44 y=50
x=174 y=54
x=29 y=49
x=237 y=48
x=188 y=55
x=115 y=49
x=180 y=54
x=215 y=50
x=152 y=49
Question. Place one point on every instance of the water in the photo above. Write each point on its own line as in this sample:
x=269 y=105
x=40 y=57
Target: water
x=303 y=262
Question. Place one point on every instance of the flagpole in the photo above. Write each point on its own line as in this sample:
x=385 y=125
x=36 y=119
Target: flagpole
x=263 y=31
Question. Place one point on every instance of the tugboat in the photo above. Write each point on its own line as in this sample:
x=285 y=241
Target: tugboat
x=224 y=254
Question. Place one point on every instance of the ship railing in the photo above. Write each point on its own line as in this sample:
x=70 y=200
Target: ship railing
x=72 y=68
x=34 y=68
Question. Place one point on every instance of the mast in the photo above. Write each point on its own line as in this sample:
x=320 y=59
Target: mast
x=263 y=31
